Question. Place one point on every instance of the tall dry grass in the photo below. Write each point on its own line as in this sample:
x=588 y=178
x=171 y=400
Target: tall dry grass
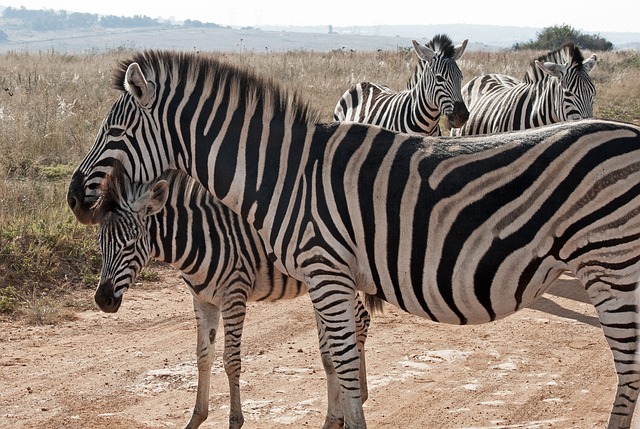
x=52 y=104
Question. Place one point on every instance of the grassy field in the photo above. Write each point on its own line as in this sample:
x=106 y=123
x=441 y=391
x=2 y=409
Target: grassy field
x=52 y=104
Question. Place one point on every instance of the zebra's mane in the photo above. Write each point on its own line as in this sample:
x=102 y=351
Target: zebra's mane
x=439 y=43
x=118 y=192
x=567 y=53
x=183 y=185
x=443 y=44
x=166 y=67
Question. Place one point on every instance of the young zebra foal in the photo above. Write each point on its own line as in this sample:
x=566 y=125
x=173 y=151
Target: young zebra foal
x=222 y=260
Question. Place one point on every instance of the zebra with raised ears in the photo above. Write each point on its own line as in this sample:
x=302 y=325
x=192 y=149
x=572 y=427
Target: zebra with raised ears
x=557 y=87
x=460 y=230
x=222 y=261
x=434 y=89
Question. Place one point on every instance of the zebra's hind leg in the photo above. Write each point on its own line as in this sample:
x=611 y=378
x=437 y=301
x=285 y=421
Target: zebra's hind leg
x=207 y=319
x=363 y=319
x=615 y=297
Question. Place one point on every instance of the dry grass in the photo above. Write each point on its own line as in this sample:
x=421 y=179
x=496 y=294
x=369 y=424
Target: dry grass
x=51 y=106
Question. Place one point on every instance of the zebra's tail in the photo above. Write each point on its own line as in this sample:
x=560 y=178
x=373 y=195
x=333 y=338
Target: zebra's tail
x=373 y=304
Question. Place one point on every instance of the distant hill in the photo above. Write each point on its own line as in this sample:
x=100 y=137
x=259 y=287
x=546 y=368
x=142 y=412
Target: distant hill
x=62 y=31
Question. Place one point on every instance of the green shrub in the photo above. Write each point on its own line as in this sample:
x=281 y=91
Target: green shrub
x=8 y=299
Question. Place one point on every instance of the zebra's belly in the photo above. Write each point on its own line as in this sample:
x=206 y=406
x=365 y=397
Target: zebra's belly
x=466 y=303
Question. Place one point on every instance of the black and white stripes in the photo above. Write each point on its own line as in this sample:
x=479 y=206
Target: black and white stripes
x=557 y=87
x=222 y=261
x=433 y=90
x=459 y=230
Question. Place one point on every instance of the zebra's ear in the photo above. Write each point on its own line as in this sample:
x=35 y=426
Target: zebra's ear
x=589 y=63
x=424 y=52
x=156 y=198
x=552 y=69
x=136 y=84
x=459 y=50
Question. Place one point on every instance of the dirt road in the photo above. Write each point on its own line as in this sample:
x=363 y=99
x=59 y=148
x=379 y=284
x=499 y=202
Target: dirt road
x=545 y=367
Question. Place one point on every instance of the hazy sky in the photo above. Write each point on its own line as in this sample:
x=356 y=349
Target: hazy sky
x=612 y=15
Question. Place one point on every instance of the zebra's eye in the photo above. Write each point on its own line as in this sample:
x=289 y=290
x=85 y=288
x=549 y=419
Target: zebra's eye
x=440 y=78
x=115 y=132
x=129 y=246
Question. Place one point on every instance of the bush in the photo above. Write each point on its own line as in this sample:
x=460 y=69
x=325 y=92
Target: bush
x=8 y=299
x=552 y=38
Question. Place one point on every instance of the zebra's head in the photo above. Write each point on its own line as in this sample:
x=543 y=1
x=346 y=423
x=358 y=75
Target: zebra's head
x=577 y=89
x=131 y=126
x=122 y=211
x=439 y=78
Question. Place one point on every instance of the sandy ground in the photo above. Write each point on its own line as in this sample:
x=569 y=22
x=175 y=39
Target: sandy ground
x=545 y=367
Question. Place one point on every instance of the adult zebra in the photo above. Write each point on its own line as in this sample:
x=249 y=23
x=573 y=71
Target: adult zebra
x=222 y=260
x=461 y=231
x=557 y=87
x=433 y=90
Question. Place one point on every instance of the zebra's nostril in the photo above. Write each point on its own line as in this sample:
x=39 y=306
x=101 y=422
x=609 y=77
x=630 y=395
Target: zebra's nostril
x=72 y=201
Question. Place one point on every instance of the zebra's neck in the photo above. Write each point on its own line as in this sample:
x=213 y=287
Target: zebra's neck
x=547 y=101
x=249 y=159
x=424 y=113
x=179 y=233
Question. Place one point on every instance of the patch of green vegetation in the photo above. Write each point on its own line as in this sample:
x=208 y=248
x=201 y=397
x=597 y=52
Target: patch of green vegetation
x=57 y=172
x=149 y=276
x=9 y=301
x=43 y=256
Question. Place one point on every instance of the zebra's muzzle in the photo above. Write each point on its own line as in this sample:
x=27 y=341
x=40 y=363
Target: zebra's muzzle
x=105 y=298
x=78 y=203
x=459 y=116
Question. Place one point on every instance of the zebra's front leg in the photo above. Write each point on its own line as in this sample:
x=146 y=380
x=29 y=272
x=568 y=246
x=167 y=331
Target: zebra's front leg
x=617 y=307
x=334 y=418
x=207 y=318
x=334 y=306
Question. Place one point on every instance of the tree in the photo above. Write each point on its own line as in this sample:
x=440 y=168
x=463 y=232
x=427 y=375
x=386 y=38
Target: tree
x=551 y=38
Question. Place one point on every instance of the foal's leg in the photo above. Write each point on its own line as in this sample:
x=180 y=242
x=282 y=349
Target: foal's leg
x=207 y=318
x=233 y=314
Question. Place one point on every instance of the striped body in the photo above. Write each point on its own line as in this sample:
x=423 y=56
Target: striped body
x=222 y=261
x=557 y=87
x=458 y=230
x=433 y=90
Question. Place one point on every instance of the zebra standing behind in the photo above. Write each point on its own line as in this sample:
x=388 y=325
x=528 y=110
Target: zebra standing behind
x=222 y=260
x=557 y=87
x=432 y=90
x=462 y=230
